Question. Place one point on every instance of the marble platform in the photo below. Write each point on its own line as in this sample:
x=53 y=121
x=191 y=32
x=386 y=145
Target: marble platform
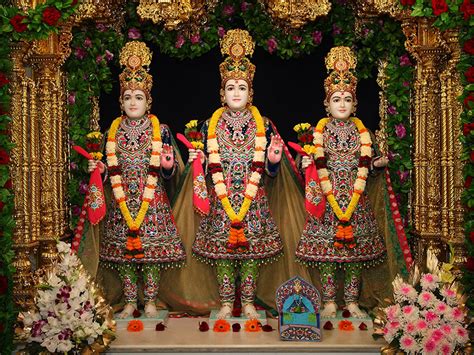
x=241 y=320
x=355 y=321
x=148 y=323
x=182 y=335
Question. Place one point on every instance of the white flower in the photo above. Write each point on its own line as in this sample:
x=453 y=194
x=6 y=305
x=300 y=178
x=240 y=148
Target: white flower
x=429 y=282
x=409 y=344
x=405 y=292
x=426 y=299
x=64 y=248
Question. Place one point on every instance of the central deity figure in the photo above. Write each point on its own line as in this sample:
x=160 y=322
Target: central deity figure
x=239 y=234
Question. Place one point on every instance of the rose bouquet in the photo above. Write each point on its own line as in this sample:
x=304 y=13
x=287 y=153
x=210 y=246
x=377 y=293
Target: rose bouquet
x=69 y=312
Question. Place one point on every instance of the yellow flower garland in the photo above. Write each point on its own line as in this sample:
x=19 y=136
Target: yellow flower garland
x=117 y=187
x=362 y=172
x=218 y=178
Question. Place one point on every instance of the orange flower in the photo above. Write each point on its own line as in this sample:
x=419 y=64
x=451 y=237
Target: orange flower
x=252 y=325
x=135 y=326
x=346 y=325
x=221 y=326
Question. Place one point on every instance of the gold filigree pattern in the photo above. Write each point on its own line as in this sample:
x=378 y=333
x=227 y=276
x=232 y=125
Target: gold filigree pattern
x=135 y=57
x=294 y=14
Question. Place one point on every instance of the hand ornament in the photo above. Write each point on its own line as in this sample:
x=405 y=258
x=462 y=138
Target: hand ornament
x=167 y=158
x=275 y=149
x=306 y=161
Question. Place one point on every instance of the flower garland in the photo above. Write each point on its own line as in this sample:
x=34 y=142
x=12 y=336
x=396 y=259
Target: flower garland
x=237 y=240
x=344 y=235
x=134 y=247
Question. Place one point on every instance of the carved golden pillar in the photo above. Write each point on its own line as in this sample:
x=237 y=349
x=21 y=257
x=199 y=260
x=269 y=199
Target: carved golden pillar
x=46 y=57
x=451 y=148
x=430 y=183
x=24 y=174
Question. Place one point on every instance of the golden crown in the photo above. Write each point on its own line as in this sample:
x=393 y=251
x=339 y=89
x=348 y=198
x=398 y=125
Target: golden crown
x=237 y=44
x=340 y=61
x=135 y=57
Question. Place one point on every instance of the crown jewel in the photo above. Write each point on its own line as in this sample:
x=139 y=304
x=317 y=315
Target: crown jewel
x=135 y=57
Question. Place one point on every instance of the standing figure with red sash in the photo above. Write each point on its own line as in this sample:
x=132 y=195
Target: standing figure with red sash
x=140 y=235
x=346 y=235
x=240 y=147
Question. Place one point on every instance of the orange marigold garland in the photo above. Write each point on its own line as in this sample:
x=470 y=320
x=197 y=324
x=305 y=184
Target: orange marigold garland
x=135 y=326
x=237 y=241
x=221 y=326
x=134 y=248
x=344 y=233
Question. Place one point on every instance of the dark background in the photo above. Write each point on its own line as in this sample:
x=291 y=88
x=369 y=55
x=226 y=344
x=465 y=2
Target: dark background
x=286 y=91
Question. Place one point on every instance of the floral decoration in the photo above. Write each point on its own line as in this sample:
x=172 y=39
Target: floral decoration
x=252 y=325
x=135 y=325
x=193 y=135
x=345 y=325
x=70 y=313
x=221 y=326
x=305 y=137
x=428 y=315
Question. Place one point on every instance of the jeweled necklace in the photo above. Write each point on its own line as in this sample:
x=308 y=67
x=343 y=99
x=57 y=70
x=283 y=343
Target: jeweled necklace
x=344 y=233
x=134 y=247
x=237 y=121
x=237 y=240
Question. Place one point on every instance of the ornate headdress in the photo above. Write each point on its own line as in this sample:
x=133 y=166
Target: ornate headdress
x=341 y=61
x=135 y=56
x=237 y=44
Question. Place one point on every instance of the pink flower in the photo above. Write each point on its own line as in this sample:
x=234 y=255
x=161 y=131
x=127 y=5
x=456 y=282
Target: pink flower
x=447 y=329
x=391 y=110
x=71 y=99
x=437 y=335
x=461 y=335
x=457 y=314
x=393 y=312
x=406 y=84
x=297 y=39
x=410 y=327
x=83 y=187
x=80 y=53
x=394 y=325
x=179 y=41
x=220 y=31
x=410 y=312
x=405 y=292
x=388 y=334
x=403 y=175
x=317 y=37
x=228 y=10
x=87 y=43
x=446 y=349
x=101 y=27
x=426 y=299
x=429 y=347
x=431 y=317
x=244 y=6
x=336 y=30
x=408 y=344
x=400 y=130
x=441 y=307
x=108 y=55
x=421 y=325
x=272 y=45
x=134 y=33
x=195 y=39
x=429 y=282
x=405 y=60
x=449 y=295
x=76 y=210
x=99 y=59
